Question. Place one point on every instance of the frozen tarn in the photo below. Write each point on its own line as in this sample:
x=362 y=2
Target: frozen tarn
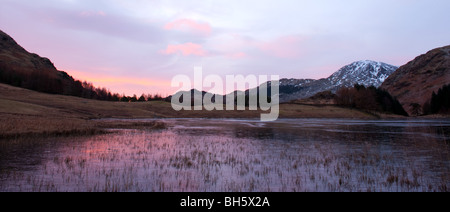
x=238 y=155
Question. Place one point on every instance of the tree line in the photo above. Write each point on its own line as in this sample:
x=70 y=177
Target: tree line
x=439 y=102
x=142 y=98
x=63 y=84
x=370 y=98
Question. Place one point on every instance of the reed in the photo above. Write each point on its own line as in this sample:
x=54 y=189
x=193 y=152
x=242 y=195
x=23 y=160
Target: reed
x=168 y=160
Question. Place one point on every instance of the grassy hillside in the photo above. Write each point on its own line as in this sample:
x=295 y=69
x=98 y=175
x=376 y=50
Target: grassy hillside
x=26 y=112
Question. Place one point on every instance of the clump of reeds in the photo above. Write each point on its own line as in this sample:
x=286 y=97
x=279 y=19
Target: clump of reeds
x=136 y=159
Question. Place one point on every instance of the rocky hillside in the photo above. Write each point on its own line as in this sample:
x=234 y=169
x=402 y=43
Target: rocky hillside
x=415 y=82
x=21 y=68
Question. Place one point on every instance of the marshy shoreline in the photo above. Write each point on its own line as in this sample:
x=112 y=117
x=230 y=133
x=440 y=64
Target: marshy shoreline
x=44 y=128
x=26 y=113
x=211 y=155
x=62 y=143
x=38 y=127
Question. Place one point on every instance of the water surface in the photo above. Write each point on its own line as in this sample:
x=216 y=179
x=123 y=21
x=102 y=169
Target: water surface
x=238 y=155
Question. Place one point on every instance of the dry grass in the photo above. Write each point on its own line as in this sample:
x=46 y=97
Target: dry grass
x=66 y=106
x=309 y=111
x=17 y=126
x=25 y=112
x=13 y=126
x=105 y=124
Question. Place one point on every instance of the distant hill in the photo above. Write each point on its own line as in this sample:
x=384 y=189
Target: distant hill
x=414 y=83
x=194 y=94
x=367 y=73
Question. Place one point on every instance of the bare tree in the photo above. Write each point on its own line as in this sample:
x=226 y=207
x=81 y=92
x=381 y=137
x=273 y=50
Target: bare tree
x=416 y=109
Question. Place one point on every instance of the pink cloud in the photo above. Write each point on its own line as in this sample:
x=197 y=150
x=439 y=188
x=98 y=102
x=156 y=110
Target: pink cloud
x=189 y=25
x=185 y=49
x=288 y=47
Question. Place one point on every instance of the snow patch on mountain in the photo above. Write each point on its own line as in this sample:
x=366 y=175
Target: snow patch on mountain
x=366 y=72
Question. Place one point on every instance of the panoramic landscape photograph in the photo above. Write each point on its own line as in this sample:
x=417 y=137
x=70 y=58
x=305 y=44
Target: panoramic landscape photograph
x=224 y=96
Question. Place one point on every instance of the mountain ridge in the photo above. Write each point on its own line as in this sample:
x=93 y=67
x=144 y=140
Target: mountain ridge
x=364 y=72
x=414 y=82
x=12 y=54
x=20 y=68
x=29 y=70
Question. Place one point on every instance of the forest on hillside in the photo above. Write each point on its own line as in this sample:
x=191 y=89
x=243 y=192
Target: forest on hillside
x=369 y=98
x=64 y=84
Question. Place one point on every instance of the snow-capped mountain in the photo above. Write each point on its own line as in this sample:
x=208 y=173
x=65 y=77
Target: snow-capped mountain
x=365 y=72
x=368 y=73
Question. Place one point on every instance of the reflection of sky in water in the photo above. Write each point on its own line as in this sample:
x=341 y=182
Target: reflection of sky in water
x=238 y=155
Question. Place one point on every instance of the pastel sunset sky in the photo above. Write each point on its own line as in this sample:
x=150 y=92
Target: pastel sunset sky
x=137 y=46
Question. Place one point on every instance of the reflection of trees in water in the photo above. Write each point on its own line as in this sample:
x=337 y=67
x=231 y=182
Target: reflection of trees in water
x=429 y=135
x=444 y=132
x=28 y=153
x=17 y=154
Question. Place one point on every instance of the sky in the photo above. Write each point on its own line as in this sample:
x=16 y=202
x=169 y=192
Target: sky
x=138 y=46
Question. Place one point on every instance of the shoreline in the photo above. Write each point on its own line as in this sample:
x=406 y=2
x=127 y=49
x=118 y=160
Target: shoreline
x=28 y=113
x=104 y=125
